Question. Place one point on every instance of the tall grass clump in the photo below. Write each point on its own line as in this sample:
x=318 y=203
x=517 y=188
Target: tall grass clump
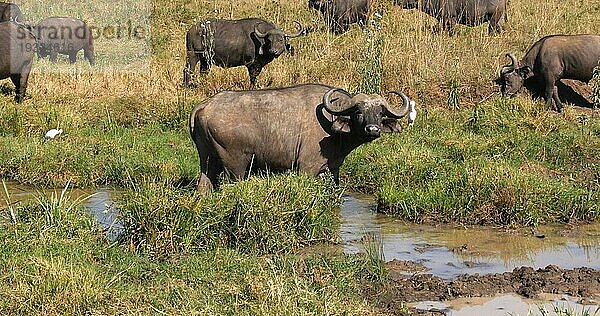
x=55 y=261
x=44 y=257
x=369 y=66
x=596 y=84
x=374 y=257
x=271 y=215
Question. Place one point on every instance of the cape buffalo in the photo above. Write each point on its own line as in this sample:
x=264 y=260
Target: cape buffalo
x=67 y=36
x=465 y=12
x=339 y=14
x=230 y=43
x=550 y=59
x=307 y=127
x=10 y=12
x=17 y=45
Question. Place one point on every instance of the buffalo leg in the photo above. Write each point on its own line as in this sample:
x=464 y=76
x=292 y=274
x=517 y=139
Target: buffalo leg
x=254 y=70
x=16 y=80
x=20 y=82
x=210 y=170
x=495 y=23
x=549 y=96
x=53 y=56
x=88 y=53
x=339 y=27
x=73 y=57
x=557 y=102
x=450 y=28
x=23 y=77
x=335 y=172
x=236 y=164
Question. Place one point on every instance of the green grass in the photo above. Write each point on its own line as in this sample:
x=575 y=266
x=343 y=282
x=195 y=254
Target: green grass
x=271 y=215
x=504 y=162
x=55 y=261
x=469 y=159
x=94 y=156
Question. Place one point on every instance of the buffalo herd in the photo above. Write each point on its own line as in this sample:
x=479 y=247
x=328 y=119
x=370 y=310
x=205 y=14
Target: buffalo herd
x=313 y=127
x=19 y=42
x=306 y=127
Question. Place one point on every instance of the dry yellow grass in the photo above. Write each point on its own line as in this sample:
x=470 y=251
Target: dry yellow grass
x=415 y=59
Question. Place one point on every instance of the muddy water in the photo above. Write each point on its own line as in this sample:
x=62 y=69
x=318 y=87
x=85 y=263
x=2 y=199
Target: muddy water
x=510 y=305
x=98 y=202
x=449 y=251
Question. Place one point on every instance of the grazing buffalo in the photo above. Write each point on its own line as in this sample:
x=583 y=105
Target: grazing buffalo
x=550 y=59
x=339 y=14
x=465 y=12
x=307 y=127
x=67 y=36
x=10 y=12
x=17 y=46
x=230 y=43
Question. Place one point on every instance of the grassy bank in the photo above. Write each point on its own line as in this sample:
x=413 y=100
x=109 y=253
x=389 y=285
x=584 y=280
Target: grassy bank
x=54 y=260
x=94 y=156
x=487 y=160
x=272 y=215
x=503 y=162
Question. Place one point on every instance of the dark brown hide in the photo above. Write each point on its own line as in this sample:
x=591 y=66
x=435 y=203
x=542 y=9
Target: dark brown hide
x=230 y=43
x=340 y=14
x=465 y=12
x=17 y=46
x=549 y=60
x=10 y=12
x=290 y=128
x=67 y=36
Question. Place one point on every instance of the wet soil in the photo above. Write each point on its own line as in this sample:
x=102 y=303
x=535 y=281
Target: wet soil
x=524 y=281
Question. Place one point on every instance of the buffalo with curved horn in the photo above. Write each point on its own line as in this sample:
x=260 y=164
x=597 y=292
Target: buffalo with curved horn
x=230 y=43
x=310 y=128
x=549 y=60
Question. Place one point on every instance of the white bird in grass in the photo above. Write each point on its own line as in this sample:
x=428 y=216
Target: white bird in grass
x=53 y=133
x=412 y=114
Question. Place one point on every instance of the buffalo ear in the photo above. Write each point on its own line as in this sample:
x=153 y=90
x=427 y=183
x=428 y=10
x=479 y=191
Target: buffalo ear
x=341 y=125
x=525 y=72
x=389 y=125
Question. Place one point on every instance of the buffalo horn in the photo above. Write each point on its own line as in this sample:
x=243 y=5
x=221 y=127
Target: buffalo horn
x=398 y=113
x=513 y=59
x=300 y=30
x=258 y=33
x=341 y=108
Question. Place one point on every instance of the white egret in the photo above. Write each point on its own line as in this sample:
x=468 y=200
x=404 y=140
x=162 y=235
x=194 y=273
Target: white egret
x=53 y=133
x=412 y=114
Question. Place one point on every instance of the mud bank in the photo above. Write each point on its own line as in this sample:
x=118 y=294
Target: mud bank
x=524 y=281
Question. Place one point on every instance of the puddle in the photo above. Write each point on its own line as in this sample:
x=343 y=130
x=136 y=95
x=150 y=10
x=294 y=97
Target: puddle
x=448 y=252
x=509 y=304
x=99 y=203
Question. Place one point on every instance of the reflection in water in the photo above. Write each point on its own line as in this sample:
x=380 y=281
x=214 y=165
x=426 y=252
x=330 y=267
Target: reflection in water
x=106 y=213
x=99 y=203
x=509 y=305
x=449 y=252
